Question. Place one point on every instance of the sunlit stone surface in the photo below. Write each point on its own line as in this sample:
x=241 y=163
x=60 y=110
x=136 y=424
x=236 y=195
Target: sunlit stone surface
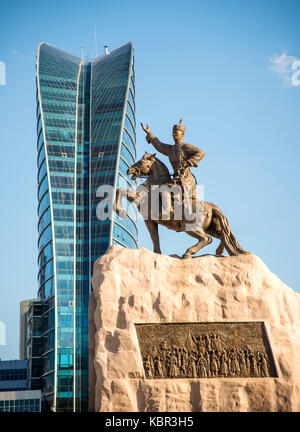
x=138 y=286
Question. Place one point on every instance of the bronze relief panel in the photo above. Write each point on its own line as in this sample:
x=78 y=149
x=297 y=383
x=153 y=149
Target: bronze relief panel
x=206 y=350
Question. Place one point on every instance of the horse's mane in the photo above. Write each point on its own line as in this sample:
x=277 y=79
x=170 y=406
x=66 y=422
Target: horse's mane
x=163 y=166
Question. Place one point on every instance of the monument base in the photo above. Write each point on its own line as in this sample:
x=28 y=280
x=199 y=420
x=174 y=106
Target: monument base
x=204 y=334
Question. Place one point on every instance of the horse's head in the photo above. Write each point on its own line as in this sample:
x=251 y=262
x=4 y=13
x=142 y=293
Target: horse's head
x=142 y=167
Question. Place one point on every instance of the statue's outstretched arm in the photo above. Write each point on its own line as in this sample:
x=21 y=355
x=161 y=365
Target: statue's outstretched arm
x=159 y=146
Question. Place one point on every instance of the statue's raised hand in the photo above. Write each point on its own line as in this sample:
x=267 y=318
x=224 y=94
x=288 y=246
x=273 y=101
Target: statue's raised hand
x=146 y=128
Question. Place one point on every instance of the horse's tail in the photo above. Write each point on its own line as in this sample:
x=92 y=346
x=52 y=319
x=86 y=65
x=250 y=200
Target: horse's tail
x=230 y=242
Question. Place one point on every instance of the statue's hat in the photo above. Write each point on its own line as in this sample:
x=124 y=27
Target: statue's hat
x=179 y=126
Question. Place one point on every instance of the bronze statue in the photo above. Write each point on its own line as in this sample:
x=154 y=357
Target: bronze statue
x=208 y=218
x=182 y=156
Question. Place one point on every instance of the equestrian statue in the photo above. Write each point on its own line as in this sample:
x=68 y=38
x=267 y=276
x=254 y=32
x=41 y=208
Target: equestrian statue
x=178 y=191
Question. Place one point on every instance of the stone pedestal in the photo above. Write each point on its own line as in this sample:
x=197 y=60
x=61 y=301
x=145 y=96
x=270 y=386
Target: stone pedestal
x=134 y=287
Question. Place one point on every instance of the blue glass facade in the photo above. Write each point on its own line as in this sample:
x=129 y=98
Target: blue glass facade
x=20 y=405
x=34 y=333
x=86 y=138
x=13 y=375
x=20 y=401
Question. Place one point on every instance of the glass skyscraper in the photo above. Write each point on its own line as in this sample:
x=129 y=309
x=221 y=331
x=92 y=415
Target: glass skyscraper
x=86 y=138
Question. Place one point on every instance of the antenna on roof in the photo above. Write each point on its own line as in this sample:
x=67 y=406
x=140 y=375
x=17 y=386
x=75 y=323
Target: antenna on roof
x=96 y=48
x=82 y=53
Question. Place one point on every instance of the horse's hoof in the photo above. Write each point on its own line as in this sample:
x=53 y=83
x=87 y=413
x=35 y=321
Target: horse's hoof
x=186 y=256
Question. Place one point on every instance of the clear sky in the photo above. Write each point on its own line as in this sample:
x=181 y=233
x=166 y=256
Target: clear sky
x=223 y=66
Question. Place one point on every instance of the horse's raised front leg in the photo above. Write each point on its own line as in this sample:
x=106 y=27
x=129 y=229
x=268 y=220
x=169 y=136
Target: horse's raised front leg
x=117 y=206
x=153 y=231
x=204 y=240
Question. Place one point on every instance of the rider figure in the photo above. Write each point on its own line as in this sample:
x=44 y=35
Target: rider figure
x=182 y=156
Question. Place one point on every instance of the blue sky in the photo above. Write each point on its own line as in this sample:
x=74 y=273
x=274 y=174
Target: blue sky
x=223 y=66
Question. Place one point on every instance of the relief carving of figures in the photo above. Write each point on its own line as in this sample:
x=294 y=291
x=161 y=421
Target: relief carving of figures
x=234 y=364
x=264 y=370
x=148 y=367
x=207 y=355
x=247 y=360
x=223 y=364
x=213 y=364
x=158 y=369
x=191 y=365
x=253 y=364
x=215 y=342
x=242 y=362
x=173 y=370
x=183 y=361
x=200 y=343
x=202 y=366
x=207 y=343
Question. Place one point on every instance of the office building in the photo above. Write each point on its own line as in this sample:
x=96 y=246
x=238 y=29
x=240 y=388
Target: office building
x=23 y=328
x=86 y=138
x=13 y=375
x=20 y=401
x=15 y=395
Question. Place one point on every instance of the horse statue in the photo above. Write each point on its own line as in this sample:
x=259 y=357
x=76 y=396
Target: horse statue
x=212 y=223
